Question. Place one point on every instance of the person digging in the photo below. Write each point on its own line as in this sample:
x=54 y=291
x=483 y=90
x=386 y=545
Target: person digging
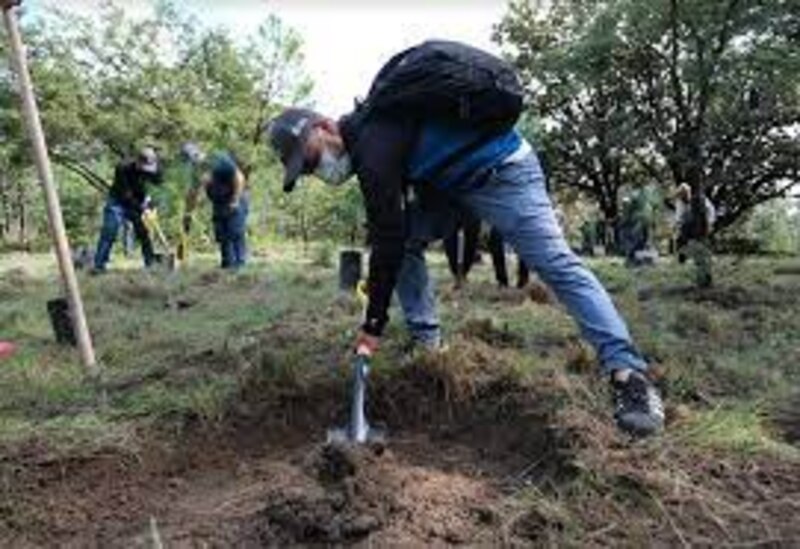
x=435 y=134
x=225 y=186
x=127 y=200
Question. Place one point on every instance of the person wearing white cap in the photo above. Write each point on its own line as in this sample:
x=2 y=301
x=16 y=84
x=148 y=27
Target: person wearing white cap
x=127 y=200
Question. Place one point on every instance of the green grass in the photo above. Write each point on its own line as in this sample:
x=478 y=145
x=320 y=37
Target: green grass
x=740 y=428
x=165 y=363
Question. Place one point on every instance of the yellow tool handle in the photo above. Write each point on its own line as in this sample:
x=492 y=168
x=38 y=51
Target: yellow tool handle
x=150 y=220
x=362 y=293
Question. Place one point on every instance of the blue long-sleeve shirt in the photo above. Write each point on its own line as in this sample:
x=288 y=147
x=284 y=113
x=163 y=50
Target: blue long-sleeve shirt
x=451 y=157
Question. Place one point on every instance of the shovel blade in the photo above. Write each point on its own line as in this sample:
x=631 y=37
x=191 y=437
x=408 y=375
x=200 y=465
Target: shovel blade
x=344 y=435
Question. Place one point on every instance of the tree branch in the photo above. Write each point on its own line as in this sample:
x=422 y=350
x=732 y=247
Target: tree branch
x=76 y=167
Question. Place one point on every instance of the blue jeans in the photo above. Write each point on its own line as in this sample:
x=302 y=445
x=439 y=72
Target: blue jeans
x=114 y=215
x=514 y=200
x=230 y=228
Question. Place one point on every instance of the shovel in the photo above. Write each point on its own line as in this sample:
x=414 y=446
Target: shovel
x=150 y=220
x=358 y=430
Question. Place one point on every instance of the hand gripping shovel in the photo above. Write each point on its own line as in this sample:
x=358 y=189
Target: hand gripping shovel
x=358 y=430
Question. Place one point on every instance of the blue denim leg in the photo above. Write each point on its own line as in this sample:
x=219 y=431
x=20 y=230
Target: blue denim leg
x=220 y=220
x=128 y=239
x=230 y=228
x=237 y=232
x=414 y=285
x=142 y=235
x=515 y=201
x=113 y=216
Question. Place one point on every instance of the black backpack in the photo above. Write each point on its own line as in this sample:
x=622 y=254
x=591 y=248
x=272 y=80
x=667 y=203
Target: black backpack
x=449 y=81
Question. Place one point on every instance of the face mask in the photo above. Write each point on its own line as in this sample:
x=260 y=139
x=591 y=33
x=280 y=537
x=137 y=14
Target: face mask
x=333 y=170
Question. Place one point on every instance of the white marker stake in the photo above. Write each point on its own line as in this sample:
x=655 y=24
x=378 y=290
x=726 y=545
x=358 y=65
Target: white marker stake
x=34 y=127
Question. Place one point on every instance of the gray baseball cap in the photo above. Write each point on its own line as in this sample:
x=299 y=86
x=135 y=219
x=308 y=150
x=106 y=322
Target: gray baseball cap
x=287 y=135
x=147 y=159
x=192 y=153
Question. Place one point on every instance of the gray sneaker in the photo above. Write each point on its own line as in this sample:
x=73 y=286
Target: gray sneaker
x=419 y=348
x=638 y=409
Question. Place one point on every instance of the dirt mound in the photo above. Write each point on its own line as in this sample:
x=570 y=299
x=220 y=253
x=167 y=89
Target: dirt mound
x=351 y=494
x=463 y=429
x=471 y=394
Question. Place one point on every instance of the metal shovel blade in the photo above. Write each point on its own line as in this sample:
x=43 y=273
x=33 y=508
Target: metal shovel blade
x=358 y=431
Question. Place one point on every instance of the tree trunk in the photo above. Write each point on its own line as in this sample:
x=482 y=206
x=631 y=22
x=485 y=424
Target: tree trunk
x=22 y=213
x=5 y=207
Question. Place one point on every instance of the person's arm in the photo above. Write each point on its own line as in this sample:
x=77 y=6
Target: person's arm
x=385 y=145
x=238 y=188
x=192 y=196
x=711 y=214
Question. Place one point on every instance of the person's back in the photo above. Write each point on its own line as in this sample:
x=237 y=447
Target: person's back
x=449 y=155
x=223 y=173
x=129 y=188
x=227 y=191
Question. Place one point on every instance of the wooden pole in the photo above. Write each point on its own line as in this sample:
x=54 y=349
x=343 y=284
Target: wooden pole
x=57 y=231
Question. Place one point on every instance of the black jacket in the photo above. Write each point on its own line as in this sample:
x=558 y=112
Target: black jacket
x=129 y=188
x=379 y=149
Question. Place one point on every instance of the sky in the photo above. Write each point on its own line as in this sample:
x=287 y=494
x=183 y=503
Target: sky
x=346 y=41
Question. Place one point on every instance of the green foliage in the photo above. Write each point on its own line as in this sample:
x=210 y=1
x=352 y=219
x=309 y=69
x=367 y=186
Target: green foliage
x=775 y=227
x=108 y=84
x=666 y=91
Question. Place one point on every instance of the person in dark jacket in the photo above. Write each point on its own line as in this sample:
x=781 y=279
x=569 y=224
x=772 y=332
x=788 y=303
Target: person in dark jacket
x=225 y=186
x=411 y=200
x=497 y=249
x=127 y=201
x=461 y=247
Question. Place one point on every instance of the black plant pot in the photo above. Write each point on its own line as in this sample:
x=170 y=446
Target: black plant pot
x=61 y=321
x=349 y=269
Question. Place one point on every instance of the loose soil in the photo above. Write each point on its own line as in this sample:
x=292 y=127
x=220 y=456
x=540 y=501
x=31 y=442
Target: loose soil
x=263 y=478
x=467 y=439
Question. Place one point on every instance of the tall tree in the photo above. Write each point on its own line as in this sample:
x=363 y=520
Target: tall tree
x=695 y=92
x=716 y=89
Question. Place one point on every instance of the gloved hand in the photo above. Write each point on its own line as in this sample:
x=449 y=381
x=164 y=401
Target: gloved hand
x=187 y=223
x=366 y=344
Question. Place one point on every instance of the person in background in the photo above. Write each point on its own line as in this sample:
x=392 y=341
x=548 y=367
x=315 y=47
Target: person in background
x=684 y=218
x=225 y=185
x=497 y=248
x=461 y=247
x=127 y=201
x=692 y=229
